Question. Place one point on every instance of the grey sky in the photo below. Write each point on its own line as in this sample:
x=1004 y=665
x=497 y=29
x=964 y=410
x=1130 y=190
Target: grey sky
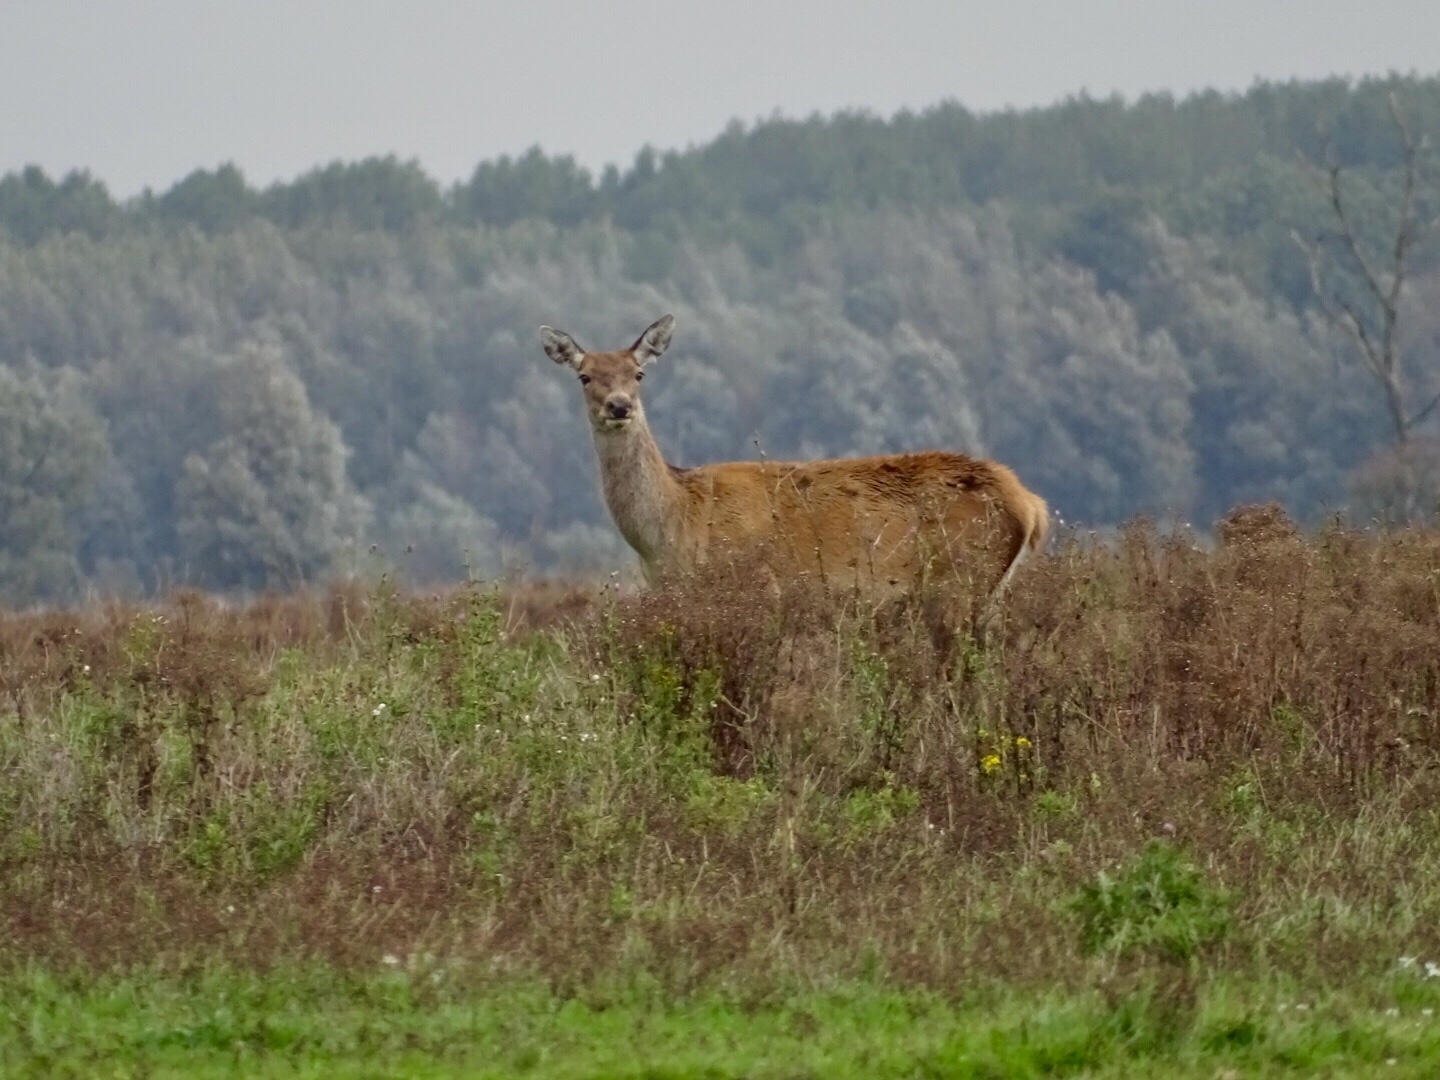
x=142 y=92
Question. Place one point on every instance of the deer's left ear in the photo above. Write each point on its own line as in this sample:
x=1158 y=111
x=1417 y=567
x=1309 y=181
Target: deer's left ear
x=561 y=347
x=654 y=341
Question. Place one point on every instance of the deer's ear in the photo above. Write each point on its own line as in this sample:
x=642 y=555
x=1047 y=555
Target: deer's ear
x=561 y=347
x=655 y=340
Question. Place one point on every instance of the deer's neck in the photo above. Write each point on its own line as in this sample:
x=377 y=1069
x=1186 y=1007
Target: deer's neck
x=644 y=499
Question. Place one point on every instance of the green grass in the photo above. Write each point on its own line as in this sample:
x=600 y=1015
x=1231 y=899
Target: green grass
x=318 y=1022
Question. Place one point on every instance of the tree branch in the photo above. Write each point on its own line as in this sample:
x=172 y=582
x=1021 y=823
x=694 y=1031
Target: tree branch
x=1336 y=310
x=1378 y=345
x=1352 y=245
x=1426 y=411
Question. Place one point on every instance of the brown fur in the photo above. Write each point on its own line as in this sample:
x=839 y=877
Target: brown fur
x=877 y=524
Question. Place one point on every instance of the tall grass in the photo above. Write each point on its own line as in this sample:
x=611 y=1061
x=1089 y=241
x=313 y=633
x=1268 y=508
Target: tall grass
x=725 y=787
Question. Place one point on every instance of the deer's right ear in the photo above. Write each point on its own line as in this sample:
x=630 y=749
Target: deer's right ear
x=561 y=347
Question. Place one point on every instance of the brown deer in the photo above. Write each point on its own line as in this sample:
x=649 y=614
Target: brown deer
x=877 y=524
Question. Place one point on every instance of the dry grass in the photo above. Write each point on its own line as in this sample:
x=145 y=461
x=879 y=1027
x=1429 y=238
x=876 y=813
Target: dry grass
x=712 y=785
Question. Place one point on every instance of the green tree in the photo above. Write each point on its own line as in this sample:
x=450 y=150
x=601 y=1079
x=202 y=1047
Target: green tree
x=212 y=201
x=33 y=206
x=268 y=503
x=377 y=193
x=504 y=191
x=1106 y=237
x=433 y=536
x=1273 y=416
x=51 y=450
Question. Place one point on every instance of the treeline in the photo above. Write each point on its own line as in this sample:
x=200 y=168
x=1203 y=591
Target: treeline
x=1215 y=161
x=243 y=387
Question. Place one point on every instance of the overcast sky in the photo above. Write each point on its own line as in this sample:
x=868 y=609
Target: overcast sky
x=141 y=92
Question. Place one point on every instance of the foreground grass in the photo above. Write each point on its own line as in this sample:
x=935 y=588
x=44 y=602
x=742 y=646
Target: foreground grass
x=700 y=830
x=316 y=1022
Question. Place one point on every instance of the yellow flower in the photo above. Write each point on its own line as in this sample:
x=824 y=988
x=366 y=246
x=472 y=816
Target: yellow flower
x=990 y=763
x=1022 y=743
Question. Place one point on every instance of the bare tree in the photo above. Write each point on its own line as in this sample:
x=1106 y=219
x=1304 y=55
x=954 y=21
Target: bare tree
x=1397 y=484
x=1372 y=320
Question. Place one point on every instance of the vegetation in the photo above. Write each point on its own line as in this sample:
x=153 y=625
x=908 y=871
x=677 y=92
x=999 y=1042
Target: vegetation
x=1179 y=815
x=1107 y=296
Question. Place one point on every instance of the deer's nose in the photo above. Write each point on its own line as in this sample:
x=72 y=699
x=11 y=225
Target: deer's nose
x=618 y=408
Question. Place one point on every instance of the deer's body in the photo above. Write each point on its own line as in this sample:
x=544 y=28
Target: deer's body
x=877 y=524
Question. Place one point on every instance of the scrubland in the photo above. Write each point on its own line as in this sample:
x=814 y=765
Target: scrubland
x=1178 y=816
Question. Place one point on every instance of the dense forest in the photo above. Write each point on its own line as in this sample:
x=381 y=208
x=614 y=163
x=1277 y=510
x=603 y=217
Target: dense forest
x=241 y=388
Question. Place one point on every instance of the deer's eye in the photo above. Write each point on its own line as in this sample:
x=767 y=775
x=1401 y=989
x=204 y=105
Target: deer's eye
x=584 y=380
x=639 y=375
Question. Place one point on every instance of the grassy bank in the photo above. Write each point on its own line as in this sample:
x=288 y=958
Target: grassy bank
x=1180 y=790
x=317 y=1022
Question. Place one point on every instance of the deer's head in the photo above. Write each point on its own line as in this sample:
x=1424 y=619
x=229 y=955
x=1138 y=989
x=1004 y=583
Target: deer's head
x=611 y=380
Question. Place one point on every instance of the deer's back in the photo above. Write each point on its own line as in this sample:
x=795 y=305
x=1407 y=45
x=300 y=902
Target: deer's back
x=871 y=521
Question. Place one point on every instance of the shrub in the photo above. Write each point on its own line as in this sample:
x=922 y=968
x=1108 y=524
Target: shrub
x=1159 y=903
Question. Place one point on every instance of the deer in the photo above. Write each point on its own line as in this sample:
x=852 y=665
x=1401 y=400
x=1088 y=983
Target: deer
x=875 y=525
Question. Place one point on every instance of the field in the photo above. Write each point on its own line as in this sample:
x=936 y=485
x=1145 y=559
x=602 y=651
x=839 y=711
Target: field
x=1179 y=817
